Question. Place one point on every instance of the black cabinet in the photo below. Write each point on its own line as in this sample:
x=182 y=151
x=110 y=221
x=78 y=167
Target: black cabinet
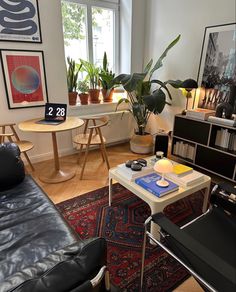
x=201 y=143
x=192 y=130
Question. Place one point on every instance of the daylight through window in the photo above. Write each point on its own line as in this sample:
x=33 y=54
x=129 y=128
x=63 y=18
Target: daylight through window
x=90 y=29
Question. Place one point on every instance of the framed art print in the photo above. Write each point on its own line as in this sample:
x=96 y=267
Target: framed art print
x=217 y=70
x=24 y=77
x=19 y=21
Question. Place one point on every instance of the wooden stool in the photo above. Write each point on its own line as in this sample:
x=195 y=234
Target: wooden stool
x=13 y=137
x=92 y=137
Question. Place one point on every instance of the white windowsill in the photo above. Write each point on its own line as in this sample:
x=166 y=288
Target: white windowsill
x=99 y=108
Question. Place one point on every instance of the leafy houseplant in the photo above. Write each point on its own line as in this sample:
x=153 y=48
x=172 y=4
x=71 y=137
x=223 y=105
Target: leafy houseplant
x=72 y=77
x=147 y=95
x=106 y=80
x=83 y=88
x=93 y=77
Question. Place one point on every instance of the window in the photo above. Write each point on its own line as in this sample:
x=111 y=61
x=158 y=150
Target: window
x=91 y=28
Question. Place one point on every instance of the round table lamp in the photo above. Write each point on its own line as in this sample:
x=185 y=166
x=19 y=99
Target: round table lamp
x=188 y=85
x=163 y=166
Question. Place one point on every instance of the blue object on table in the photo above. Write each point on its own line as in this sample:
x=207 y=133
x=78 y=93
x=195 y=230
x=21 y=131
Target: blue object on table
x=148 y=182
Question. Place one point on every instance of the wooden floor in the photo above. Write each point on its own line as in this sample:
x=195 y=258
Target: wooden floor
x=95 y=176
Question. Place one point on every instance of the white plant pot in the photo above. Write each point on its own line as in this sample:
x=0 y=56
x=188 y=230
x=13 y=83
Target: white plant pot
x=141 y=144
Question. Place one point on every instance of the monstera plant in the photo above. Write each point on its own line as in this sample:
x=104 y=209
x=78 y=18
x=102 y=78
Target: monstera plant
x=147 y=95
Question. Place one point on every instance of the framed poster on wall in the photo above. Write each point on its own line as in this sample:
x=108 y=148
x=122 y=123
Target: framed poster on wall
x=217 y=70
x=25 y=78
x=19 y=21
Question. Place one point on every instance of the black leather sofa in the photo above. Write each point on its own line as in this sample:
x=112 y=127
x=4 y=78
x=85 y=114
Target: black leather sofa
x=39 y=252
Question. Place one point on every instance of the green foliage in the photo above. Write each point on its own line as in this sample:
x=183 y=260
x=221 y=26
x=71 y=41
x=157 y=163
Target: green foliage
x=72 y=74
x=106 y=75
x=83 y=86
x=147 y=95
x=92 y=73
x=74 y=16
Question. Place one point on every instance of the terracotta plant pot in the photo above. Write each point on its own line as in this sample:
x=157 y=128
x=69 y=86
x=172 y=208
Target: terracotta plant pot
x=72 y=98
x=141 y=144
x=94 y=95
x=107 y=95
x=84 y=98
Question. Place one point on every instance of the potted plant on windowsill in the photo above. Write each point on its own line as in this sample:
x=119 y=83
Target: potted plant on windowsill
x=106 y=80
x=72 y=77
x=146 y=96
x=83 y=88
x=93 y=77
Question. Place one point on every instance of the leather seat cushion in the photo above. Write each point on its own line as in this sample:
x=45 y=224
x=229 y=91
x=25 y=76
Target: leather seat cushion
x=30 y=228
x=61 y=271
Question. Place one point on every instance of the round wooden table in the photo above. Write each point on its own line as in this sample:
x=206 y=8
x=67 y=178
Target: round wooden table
x=57 y=174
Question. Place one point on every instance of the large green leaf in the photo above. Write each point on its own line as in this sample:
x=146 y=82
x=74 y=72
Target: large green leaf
x=162 y=84
x=122 y=78
x=146 y=87
x=159 y=62
x=155 y=102
x=134 y=81
x=104 y=62
x=148 y=66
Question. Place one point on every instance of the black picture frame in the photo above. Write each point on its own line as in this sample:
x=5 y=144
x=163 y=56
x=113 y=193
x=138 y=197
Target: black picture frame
x=30 y=18
x=216 y=74
x=24 y=78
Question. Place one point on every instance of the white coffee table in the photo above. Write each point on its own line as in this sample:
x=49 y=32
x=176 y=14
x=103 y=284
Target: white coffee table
x=158 y=204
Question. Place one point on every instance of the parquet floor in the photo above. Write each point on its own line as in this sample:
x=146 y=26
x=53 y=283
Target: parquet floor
x=95 y=176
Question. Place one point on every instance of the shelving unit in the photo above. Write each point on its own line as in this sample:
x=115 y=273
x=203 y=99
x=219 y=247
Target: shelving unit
x=201 y=135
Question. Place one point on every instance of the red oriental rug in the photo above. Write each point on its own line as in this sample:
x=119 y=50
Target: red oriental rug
x=122 y=226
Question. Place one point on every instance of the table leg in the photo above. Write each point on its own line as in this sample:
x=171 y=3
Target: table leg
x=55 y=151
x=57 y=174
x=206 y=198
x=110 y=191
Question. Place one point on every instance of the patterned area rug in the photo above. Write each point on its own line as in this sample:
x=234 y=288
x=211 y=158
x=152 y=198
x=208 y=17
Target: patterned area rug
x=122 y=226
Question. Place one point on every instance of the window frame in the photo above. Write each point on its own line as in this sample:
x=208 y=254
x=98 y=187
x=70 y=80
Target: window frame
x=109 y=4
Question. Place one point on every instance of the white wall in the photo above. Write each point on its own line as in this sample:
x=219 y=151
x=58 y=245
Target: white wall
x=132 y=35
x=138 y=35
x=53 y=47
x=125 y=35
x=165 y=19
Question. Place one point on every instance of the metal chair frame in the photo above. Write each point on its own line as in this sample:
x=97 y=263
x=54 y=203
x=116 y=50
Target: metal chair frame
x=223 y=196
x=147 y=234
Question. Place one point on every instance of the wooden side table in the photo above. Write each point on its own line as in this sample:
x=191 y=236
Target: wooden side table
x=55 y=175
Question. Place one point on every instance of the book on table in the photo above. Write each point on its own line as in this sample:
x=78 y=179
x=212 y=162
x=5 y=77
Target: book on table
x=130 y=174
x=200 y=113
x=186 y=180
x=148 y=182
x=181 y=169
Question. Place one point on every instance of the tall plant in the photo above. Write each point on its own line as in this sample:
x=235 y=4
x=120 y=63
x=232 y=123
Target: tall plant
x=147 y=95
x=72 y=74
x=93 y=73
x=106 y=75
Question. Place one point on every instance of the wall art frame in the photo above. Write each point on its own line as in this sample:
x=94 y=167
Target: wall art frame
x=25 y=78
x=217 y=68
x=20 y=22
